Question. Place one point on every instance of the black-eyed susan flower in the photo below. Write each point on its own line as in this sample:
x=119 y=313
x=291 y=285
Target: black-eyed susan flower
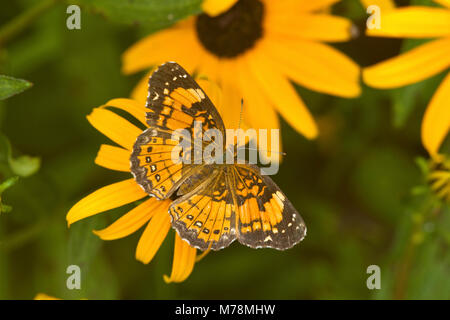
x=151 y=212
x=419 y=63
x=252 y=50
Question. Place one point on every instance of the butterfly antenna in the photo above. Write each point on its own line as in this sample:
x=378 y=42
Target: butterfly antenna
x=240 y=114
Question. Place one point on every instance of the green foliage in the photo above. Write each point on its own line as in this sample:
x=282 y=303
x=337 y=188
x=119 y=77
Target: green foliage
x=10 y=86
x=3 y=186
x=23 y=166
x=156 y=13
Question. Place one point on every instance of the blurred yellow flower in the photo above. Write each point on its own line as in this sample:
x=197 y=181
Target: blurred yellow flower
x=439 y=177
x=43 y=296
x=252 y=50
x=152 y=212
x=419 y=63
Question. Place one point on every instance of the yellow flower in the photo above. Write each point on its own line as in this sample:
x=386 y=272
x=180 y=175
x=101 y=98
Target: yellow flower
x=419 y=63
x=151 y=212
x=43 y=296
x=252 y=50
x=439 y=177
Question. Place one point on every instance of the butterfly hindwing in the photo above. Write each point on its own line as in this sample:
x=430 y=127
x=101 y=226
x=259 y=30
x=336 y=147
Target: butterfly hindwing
x=236 y=201
x=175 y=101
x=265 y=217
x=205 y=216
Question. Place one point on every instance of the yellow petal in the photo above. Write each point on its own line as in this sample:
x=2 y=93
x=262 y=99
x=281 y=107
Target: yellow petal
x=209 y=67
x=178 y=44
x=132 y=221
x=106 y=198
x=153 y=235
x=213 y=91
x=413 y=66
x=436 y=121
x=282 y=94
x=322 y=27
x=183 y=261
x=215 y=7
x=445 y=192
x=256 y=103
x=413 y=22
x=383 y=4
x=297 y=5
x=231 y=99
x=316 y=66
x=444 y=3
x=439 y=175
x=135 y=108
x=226 y=97
x=43 y=296
x=140 y=91
x=114 y=158
x=114 y=127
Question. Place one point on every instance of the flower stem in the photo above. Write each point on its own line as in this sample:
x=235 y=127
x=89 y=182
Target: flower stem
x=428 y=213
x=23 y=20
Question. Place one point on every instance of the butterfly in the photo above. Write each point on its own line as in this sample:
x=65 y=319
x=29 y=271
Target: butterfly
x=213 y=204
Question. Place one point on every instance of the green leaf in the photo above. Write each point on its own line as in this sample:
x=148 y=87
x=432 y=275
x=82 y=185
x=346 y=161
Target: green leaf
x=8 y=184
x=10 y=86
x=404 y=102
x=423 y=165
x=157 y=13
x=3 y=186
x=83 y=248
x=23 y=166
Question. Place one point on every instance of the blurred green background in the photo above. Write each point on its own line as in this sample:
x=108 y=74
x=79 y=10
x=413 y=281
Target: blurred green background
x=358 y=186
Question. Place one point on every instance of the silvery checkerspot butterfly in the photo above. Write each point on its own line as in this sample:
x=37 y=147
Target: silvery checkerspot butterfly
x=214 y=204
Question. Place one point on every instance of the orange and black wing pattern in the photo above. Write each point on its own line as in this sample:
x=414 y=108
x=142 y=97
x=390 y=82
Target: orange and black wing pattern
x=205 y=217
x=265 y=218
x=215 y=203
x=237 y=202
x=175 y=101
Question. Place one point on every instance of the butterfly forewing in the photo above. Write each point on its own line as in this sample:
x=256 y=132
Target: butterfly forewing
x=175 y=101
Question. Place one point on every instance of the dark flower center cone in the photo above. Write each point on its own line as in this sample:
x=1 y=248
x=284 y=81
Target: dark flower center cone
x=234 y=31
